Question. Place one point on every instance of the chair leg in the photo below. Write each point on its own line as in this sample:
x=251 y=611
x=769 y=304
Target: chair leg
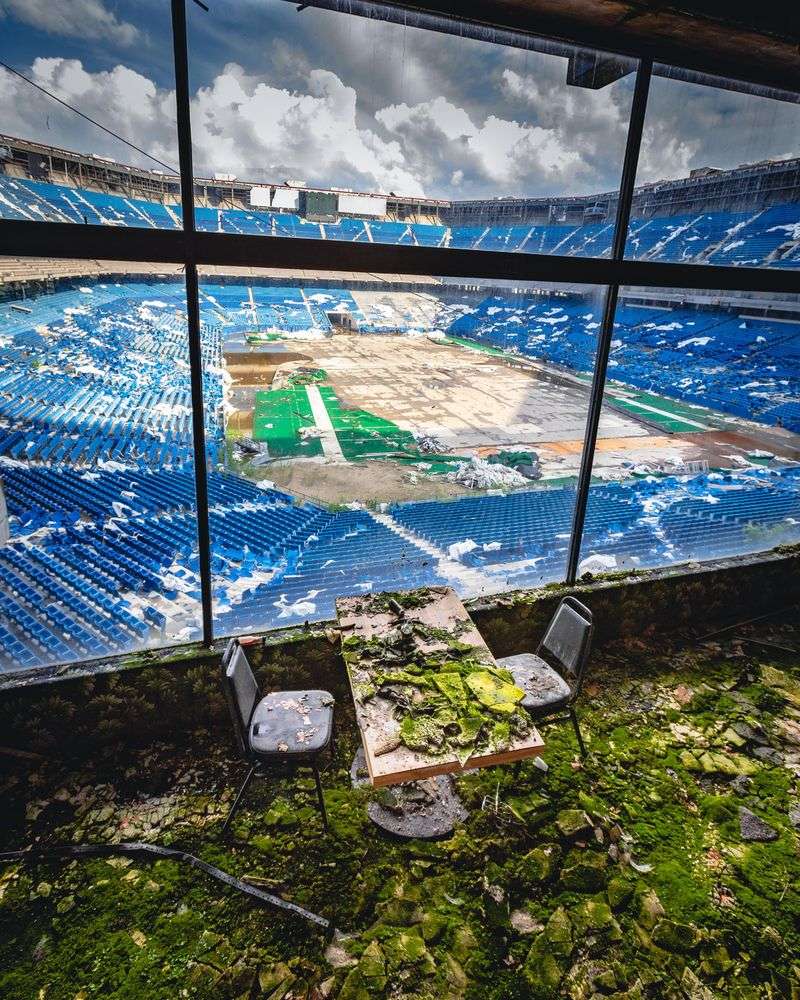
x=320 y=797
x=237 y=801
x=576 y=727
x=332 y=744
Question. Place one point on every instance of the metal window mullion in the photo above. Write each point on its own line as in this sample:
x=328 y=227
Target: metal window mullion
x=23 y=238
x=193 y=312
x=626 y=188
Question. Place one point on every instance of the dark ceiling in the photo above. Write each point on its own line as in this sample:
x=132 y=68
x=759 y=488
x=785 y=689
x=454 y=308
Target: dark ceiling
x=757 y=40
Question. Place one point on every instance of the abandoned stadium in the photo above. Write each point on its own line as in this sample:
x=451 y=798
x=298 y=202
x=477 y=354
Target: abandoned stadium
x=359 y=491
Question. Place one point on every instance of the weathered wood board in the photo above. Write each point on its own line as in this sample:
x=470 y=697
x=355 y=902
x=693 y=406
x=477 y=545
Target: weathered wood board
x=408 y=635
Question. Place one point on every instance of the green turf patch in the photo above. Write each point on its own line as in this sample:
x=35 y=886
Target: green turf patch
x=674 y=417
x=278 y=417
x=476 y=345
x=307 y=376
x=262 y=338
x=280 y=414
x=362 y=434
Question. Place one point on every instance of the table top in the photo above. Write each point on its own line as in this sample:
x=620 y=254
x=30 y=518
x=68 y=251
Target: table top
x=421 y=674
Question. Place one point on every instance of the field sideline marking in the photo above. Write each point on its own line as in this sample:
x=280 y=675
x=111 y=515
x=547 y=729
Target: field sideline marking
x=330 y=443
x=624 y=400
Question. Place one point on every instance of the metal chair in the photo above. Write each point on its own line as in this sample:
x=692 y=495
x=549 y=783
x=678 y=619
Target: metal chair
x=285 y=729
x=552 y=676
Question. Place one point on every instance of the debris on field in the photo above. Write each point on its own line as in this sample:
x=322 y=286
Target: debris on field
x=478 y=474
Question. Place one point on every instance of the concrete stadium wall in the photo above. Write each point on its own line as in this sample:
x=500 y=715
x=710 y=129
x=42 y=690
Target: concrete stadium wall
x=176 y=696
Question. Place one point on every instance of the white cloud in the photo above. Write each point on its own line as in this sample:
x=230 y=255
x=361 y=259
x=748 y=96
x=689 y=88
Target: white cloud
x=241 y=123
x=451 y=121
x=583 y=132
x=508 y=156
x=511 y=151
x=525 y=133
x=120 y=98
x=76 y=18
x=664 y=156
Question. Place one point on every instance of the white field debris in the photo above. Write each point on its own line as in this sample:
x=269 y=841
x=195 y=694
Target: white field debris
x=477 y=474
x=428 y=444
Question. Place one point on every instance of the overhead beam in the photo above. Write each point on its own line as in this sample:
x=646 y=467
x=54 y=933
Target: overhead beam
x=593 y=70
x=696 y=43
x=166 y=246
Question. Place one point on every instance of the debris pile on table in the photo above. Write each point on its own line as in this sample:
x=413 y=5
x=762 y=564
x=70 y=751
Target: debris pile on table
x=448 y=695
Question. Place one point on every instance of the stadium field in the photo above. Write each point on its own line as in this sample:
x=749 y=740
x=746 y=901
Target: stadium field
x=375 y=398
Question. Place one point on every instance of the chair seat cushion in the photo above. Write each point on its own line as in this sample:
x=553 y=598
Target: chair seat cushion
x=292 y=723
x=545 y=689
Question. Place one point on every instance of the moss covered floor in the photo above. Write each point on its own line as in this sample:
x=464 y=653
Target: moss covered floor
x=629 y=874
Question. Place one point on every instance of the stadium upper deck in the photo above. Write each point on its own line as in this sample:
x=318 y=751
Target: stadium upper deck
x=750 y=215
x=769 y=236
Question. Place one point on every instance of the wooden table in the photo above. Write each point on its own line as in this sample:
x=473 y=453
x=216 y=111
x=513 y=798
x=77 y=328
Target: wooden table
x=390 y=762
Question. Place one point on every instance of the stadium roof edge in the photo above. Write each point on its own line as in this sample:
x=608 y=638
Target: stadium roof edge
x=235 y=183
x=696 y=42
x=242 y=186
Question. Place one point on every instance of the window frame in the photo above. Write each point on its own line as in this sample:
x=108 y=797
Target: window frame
x=194 y=249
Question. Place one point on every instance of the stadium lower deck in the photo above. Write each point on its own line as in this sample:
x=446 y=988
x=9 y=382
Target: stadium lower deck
x=96 y=451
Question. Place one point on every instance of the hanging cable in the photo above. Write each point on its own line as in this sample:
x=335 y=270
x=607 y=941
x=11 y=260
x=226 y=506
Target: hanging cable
x=81 y=114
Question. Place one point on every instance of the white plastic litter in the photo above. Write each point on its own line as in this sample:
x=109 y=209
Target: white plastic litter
x=428 y=444
x=597 y=564
x=458 y=549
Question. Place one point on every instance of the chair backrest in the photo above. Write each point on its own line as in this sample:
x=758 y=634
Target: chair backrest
x=241 y=691
x=568 y=639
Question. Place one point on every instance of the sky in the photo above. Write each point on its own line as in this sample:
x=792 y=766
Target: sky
x=344 y=101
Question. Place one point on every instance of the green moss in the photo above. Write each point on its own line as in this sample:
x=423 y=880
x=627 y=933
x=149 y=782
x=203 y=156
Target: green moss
x=699 y=899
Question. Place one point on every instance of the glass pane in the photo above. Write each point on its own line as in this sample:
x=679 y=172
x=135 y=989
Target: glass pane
x=87 y=115
x=718 y=179
x=712 y=382
x=98 y=537
x=391 y=434
x=377 y=129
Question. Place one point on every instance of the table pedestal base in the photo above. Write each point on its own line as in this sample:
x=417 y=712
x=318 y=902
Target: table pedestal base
x=427 y=809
